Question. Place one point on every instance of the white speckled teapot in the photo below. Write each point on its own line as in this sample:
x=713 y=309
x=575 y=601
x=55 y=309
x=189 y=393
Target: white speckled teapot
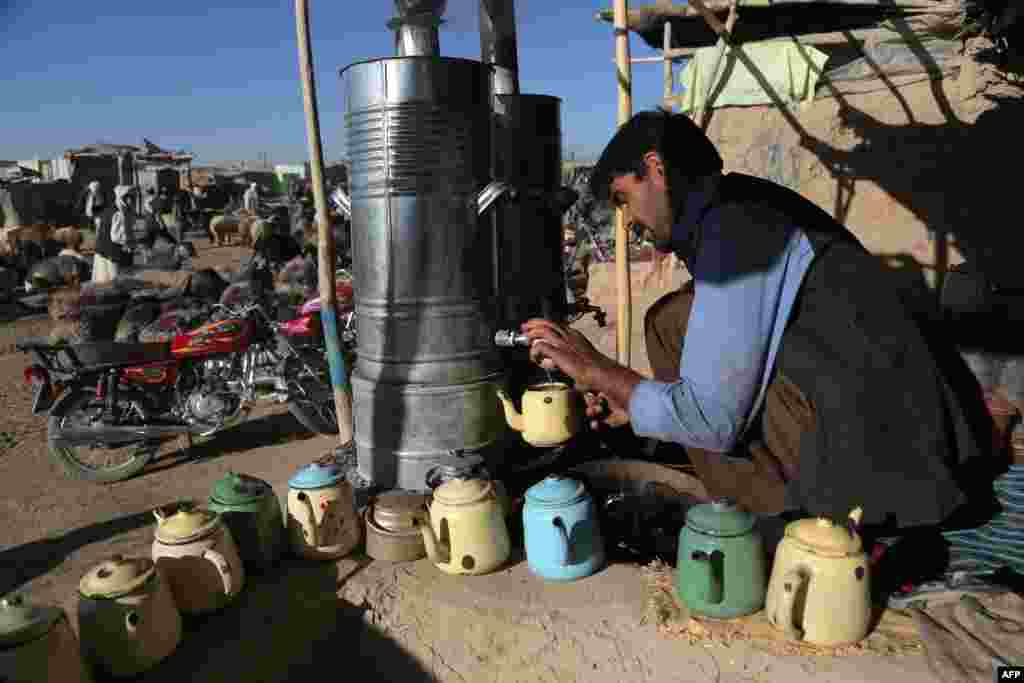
x=198 y=555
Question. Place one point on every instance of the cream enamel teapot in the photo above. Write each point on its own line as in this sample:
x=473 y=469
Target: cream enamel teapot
x=127 y=618
x=322 y=520
x=552 y=413
x=820 y=588
x=464 y=530
x=37 y=645
x=196 y=552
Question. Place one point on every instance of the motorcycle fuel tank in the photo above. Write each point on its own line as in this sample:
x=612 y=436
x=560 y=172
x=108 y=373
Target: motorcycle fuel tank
x=222 y=336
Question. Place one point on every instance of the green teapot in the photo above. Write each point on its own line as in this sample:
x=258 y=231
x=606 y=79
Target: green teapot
x=250 y=509
x=721 y=569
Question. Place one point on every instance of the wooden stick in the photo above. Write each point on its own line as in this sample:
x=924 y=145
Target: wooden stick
x=625 y=79
x=325 y=249
x=724 y=39
x=657 y=60
x=667 y=46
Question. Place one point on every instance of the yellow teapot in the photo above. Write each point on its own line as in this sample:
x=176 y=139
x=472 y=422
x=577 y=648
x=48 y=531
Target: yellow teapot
x=464 y=529
x=552 y=413
x=820 y=588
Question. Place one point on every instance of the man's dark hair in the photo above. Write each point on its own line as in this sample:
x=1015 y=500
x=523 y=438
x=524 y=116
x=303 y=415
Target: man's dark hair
x=683 y=147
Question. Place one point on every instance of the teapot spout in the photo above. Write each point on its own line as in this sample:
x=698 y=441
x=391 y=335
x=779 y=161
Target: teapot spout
x=512 y=416
x=435 y=552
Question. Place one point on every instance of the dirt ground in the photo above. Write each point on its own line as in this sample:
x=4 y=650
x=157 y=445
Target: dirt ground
x=404 y=622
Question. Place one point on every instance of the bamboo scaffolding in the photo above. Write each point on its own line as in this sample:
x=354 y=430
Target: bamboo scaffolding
x=642 y=15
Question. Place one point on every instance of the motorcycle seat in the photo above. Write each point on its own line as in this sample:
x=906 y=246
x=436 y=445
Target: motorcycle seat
x=121 y=353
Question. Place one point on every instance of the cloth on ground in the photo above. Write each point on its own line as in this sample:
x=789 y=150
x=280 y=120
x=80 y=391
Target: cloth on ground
x=791 y=70
x=963 y=644
x=1000 y=542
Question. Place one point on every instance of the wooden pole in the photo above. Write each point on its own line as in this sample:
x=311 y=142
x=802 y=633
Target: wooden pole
x=667 y=74
x=325 y=250
x=720 y=49
x=624 y=71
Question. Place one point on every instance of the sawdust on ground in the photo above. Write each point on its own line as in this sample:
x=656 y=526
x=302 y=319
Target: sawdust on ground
x=896 y=634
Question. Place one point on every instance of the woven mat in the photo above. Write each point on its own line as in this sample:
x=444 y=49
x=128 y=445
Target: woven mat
x=895 y=635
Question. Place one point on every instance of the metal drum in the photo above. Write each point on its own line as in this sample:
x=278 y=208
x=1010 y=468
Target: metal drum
x=403 y=431
x=419 y=147
x=528 y=141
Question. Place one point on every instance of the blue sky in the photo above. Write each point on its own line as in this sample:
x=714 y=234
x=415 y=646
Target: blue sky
x=220 y=78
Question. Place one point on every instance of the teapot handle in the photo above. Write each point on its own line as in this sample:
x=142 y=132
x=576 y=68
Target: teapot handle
x=223 y=568
x=709 y=584
x=131 y=621
x=311 y=517
x=784 y=616
x=563 y=547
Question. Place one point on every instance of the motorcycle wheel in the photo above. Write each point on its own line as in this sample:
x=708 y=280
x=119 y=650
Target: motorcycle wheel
x=128 y=462
x=316 y=413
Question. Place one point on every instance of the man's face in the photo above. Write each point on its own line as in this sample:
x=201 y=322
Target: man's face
x=647 y=199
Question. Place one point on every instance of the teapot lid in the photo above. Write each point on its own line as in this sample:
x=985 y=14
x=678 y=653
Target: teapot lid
x=823 y=537
x=318 y=474
x=189 y=523
x=463 y=491
x=21 y=621
x=554 y=490
x=116 y=577
x=397 y=509
x=239 y=489
x=720 y=518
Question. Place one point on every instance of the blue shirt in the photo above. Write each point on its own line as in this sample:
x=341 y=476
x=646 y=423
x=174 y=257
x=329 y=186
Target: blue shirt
x=747 y=273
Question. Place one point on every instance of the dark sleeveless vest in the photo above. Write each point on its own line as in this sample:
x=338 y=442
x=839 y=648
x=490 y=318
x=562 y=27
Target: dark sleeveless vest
x=891 y=434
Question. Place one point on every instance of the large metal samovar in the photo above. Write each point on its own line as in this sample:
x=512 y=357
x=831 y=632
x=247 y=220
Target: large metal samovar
x=434 y=143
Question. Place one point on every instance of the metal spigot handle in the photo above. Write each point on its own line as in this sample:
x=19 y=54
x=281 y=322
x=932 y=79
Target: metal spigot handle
x=510 y=338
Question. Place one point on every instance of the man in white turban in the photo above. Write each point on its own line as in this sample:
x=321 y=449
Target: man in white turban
x=251 y=199
x=115 y=236
x=94 y=204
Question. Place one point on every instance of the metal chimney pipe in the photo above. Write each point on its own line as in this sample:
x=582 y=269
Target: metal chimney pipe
x=416 y=27
x=498 y=44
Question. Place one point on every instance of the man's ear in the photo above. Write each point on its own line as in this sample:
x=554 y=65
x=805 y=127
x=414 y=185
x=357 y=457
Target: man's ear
x=656 y=167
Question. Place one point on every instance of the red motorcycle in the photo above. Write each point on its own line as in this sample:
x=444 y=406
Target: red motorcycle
x=111 y=404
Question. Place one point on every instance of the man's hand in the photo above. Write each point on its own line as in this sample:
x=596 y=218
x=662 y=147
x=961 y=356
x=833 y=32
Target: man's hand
x=557 y=346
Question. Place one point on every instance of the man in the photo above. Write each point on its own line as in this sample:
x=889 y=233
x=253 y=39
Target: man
x=94 y=204
x=792 y=373
x=155 y=206
x=115 y=237
x=251 y=199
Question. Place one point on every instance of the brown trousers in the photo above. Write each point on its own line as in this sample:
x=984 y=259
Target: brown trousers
x=756 y=477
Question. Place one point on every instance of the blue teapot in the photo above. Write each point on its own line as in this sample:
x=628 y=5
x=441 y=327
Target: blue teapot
x=561 y=532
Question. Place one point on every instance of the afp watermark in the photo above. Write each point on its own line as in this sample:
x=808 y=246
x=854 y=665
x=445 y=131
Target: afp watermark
x=1010 y=673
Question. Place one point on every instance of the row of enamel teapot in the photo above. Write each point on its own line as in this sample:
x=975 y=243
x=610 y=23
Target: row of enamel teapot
x=819 y=587
x=463 y=529
x=129 y=609
x=206 y=551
